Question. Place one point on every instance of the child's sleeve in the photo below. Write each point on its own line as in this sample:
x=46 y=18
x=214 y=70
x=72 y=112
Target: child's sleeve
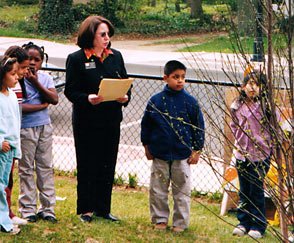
x=2 y=125
x=146 y=125
x=234 y=120
x=198 y=135
x=1 y=135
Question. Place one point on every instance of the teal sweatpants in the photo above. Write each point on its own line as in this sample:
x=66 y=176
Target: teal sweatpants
x=5 y=168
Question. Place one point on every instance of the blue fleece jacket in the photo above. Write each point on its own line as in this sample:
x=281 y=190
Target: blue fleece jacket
x=172 y=125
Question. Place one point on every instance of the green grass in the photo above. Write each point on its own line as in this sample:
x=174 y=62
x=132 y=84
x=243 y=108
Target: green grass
x=14 y=13
x=21 y=21
x=221 y=44
x=18 y=21
x=132 y=207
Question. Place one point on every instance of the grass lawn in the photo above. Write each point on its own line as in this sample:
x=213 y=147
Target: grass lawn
x=132 y=207
x=15 y=21
x=221 y=44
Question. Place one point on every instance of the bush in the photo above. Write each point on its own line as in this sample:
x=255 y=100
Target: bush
x=133 y=181
x=56 y=17
x=118 y=180
x=159 y=23
x=28 y=26
x=20 y=2
x=94 y=7
x=81 y=11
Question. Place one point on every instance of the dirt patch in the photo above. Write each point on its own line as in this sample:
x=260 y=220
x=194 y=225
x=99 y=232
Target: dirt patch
x=130 y=189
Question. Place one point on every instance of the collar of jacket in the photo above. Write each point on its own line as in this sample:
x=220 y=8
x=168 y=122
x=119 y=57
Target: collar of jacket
x=172 y=91
x=90 y=52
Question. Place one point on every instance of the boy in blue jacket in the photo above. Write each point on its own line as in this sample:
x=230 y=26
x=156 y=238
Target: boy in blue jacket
x=173 y=136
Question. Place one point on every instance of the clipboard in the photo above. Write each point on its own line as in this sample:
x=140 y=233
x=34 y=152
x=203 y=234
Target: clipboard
x=111 y=89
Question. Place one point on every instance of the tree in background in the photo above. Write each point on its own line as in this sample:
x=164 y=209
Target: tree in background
x=110 y=9
x=55 y=17
x=196 y=9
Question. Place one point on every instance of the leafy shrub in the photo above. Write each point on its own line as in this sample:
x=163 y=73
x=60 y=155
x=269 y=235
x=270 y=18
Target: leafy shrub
x=95 y=7
x=212 y=196
x=82 y=11
x=26 y=26
x=118 y=180
x=20 y=2
x=159 y=23
x=283 y=25
x=56 y=17
x=133 y=181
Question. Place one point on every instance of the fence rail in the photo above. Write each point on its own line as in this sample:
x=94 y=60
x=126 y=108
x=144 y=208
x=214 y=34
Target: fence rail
x=131 y=157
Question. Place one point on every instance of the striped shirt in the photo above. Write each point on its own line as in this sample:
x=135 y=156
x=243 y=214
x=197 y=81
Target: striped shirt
x=17 y=90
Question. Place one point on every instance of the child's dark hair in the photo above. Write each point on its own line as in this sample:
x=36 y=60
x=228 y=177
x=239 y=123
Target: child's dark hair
x=172 y=66
x=19 y=53
x=6 y=64
x=259 y=78
x=41 y=50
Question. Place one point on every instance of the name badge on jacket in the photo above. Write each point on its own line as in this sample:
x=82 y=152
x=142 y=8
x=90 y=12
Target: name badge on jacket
x=90 y=65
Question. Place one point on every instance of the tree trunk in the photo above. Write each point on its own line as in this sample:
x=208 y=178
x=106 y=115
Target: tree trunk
x=177 y=6
x=153 y=3
x=275 y=125
x=196 y=9
x=189 y=3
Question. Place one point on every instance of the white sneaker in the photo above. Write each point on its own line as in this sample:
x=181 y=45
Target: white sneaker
x=15 y=230
x=255 y=234
x=291 y=238
x=18 y=221
x=239 y=230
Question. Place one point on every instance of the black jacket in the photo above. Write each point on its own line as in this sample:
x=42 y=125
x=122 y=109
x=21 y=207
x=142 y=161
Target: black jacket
x=83 y=77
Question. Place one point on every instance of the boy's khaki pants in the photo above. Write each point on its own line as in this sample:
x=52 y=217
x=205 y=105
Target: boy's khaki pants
x=36 y=146
x=176 y=172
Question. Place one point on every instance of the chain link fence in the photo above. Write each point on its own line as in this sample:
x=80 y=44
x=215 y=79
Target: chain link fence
x=206 y=175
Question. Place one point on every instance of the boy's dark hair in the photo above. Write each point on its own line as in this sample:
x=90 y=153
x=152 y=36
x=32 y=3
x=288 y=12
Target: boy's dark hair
x=19 y=53
x=40 y=49
x=172 y=66
x=6 y=64
x=88 y=30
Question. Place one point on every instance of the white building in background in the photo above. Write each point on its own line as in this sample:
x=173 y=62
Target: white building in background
x=284 y=7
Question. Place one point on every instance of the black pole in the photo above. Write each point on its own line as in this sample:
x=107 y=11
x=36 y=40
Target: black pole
x=258 y=50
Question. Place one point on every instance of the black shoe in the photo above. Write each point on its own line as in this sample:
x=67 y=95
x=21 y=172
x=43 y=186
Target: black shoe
x=50 y=218
x=31 y=219
x=111 y=217
x=86 y=218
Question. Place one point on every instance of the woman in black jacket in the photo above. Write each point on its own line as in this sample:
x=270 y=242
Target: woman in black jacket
x=96 y=124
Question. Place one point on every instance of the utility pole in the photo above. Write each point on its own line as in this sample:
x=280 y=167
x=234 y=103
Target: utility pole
x=258 y=50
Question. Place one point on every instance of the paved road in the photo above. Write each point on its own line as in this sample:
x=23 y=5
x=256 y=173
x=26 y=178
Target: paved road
x=200 y=65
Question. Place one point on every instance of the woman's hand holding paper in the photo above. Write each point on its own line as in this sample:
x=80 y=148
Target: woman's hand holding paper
x=123 y=99
x=94 y=99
